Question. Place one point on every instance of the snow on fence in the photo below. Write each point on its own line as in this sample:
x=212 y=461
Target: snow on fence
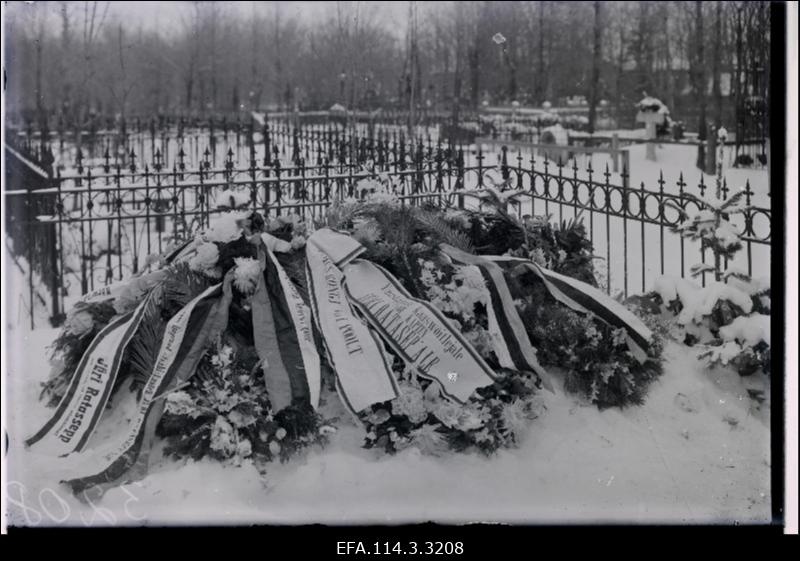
x=96 y=219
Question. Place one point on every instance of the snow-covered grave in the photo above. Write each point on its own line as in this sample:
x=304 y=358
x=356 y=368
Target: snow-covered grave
x=696 y=450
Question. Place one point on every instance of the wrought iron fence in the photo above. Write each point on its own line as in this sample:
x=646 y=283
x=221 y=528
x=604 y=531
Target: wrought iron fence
x=97 y=220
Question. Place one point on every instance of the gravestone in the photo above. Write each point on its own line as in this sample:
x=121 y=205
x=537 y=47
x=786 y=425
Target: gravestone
x=557 y=137
x=652 y=112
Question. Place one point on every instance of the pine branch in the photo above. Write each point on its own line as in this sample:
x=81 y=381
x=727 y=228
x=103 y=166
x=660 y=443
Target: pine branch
x=146 y=344
x=182 y=285
x=438 y=226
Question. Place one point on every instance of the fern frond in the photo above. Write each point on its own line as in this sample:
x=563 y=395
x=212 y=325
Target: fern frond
x=144 y=347
x=339 y=215
x=434 y=223
x=183 y=284
x=396 y=224
x=208 y=375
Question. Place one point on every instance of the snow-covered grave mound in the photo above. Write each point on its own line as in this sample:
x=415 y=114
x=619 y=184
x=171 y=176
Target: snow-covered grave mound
x=504 y=385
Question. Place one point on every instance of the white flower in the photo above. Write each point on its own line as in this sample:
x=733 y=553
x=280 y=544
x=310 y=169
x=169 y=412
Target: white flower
x=205 y=259
x=367 y=232
x=280 y=434
x=136 y=289
x=226 y=227
x=448 y=413
x=293 y=218
x=274 y=447
x=327 y=429
x=244 y=448
x=240 y=420
x=538 y=257
x=383 y=198
x=126 y=300
x=410 y=402
x=516 y=417
x=301 y=229
x=480 y=339
x=223 y=437
x=483 y=436
x=246 y=274
x=79 y=323
x=429 y=440
x=472 y=418
x=223 y=358
x=298 y=242
x=460 y=295
x=181 y=403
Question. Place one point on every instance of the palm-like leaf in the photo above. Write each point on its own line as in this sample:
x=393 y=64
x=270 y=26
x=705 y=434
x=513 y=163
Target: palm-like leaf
x=434 y=223
x=183 y=284
x=146 y=344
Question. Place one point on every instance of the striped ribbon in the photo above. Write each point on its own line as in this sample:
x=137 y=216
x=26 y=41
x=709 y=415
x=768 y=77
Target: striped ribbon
x=185 y=339
x=283 y=330
x=586 y=299
x=512 y=347
x=79 y=411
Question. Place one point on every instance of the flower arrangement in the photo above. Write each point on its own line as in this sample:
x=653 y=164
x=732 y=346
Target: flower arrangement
x=594 y=356
x=224 y=411
x=83 y=322
x=495 y=417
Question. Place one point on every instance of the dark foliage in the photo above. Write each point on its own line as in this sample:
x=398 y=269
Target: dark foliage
x=278 y=436
x=240 y=247
x=71 y=348
x=595 y=357
x=564 y=246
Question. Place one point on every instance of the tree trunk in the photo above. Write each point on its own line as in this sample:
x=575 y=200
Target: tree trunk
x=618 y=85
x=541 y=85
x=457 y=73
x=701 y=72
x=596 y=61
x=189 y=88
x=474 y=76
x=39 y=92
x=717 y=87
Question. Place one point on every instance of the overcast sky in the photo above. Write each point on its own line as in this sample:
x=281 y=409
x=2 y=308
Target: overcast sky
x=166 y=16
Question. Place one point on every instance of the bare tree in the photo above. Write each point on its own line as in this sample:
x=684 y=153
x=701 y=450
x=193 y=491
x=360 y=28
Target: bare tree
x=716 y=63
x=223 y=53
x=700 y=70
x=192 y=28
x=122 y=84
x=597 y=56
x=94 y=16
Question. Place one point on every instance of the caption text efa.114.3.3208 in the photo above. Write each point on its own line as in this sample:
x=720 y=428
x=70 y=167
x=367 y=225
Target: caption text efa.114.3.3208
x=399 y=548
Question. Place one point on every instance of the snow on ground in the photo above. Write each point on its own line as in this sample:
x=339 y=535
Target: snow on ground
x=671 y=160
x=627 y=247
x=697 y=451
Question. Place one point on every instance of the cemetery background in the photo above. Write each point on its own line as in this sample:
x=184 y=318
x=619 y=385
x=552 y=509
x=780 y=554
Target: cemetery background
x=129 y=187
